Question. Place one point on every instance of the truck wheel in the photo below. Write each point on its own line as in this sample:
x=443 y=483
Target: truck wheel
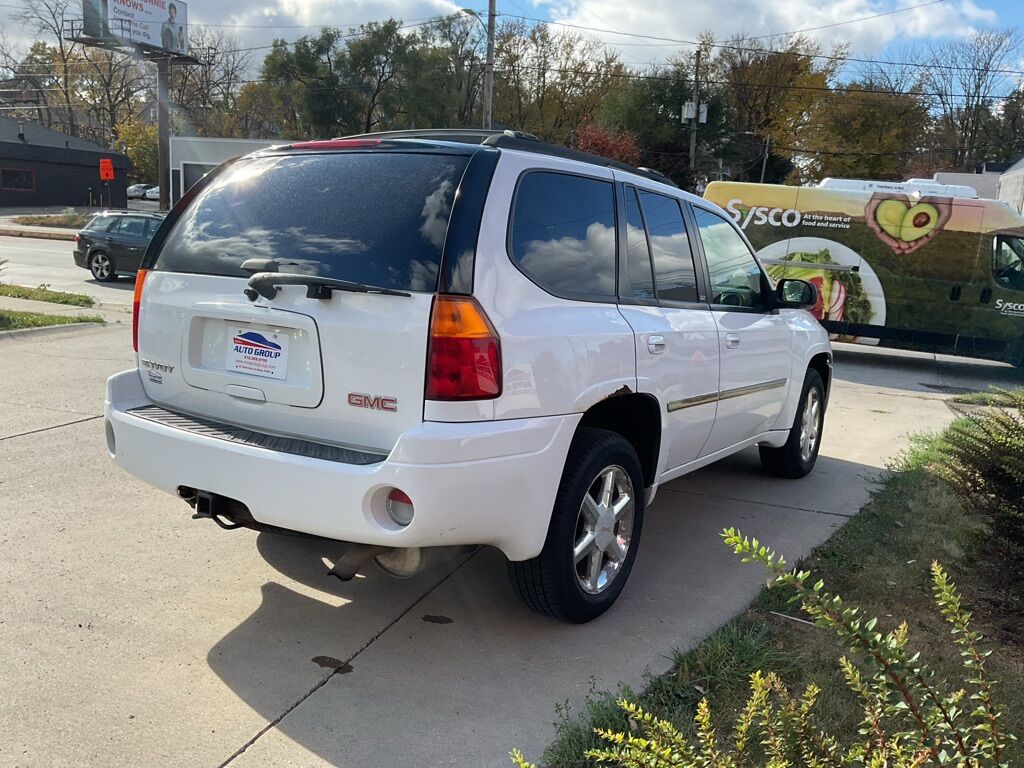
x=796 y=458
x=102 y=267
x=594 y=531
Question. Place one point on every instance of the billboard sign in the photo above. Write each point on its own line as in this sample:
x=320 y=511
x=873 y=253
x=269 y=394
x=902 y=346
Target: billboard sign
x=161 y=24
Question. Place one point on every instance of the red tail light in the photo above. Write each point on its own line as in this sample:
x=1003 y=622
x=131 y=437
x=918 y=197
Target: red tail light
x=140 y=281
x=464 y=354
x=78 y=238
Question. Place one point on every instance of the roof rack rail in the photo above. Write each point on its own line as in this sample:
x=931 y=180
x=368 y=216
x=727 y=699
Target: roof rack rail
x=520 y=140
x=461 y=135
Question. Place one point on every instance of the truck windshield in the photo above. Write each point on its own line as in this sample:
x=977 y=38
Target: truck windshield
x=370 y=217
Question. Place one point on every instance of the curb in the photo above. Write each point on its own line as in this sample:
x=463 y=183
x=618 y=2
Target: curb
x=5 y=232
x=46 y=330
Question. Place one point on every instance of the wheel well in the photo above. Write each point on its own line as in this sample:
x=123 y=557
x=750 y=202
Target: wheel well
x=822 y=363
x=638 y=419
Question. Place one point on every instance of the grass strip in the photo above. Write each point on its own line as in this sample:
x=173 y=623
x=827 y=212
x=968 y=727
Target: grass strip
x=880 y=560
x=63 y=220
x=45 y=294
x=11 y=320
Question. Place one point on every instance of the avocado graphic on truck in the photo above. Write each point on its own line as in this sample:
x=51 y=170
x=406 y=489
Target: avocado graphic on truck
x=914 y=265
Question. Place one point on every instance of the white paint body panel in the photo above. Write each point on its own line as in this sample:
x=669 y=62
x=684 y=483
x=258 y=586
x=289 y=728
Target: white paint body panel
x=466 y=481
x=688 y=367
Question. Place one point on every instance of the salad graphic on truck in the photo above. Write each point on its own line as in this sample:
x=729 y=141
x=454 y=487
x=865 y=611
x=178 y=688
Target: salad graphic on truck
x=915 y=265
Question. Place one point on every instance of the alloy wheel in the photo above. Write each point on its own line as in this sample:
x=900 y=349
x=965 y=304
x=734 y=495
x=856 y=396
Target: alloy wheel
x=100 y=266
x=810 y=424
x=604 y=530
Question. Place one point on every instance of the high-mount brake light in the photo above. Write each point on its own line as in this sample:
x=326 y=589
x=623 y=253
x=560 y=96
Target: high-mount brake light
x=336 y=144
x=140 y=281
x=464 y=352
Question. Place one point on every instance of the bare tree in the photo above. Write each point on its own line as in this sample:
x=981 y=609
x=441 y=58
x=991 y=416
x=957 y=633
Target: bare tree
x=206 y=93
x=110 y=89
x=50 y=18
x=965 y=78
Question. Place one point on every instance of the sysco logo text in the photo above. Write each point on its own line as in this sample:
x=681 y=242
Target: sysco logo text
x=776 y=217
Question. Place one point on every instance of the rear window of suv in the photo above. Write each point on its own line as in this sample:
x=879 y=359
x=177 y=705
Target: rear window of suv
x=373 y=217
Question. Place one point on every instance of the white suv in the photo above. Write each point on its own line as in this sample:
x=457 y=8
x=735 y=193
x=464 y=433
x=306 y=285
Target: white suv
x=421 y=339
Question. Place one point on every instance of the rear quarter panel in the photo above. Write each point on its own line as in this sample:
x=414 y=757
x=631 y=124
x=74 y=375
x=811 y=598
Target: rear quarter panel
x=559 y=356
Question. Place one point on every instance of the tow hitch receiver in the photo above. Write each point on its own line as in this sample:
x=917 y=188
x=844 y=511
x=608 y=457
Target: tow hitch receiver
x=222 y=510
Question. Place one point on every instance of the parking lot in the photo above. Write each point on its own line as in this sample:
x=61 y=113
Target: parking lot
x=134 y=635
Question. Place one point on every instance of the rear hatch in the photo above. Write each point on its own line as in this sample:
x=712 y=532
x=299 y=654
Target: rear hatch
x=345 y=368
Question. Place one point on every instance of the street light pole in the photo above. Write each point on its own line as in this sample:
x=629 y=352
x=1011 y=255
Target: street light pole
x=163 y=72
x=488 y=106
x=488 y=68
x=764 y=162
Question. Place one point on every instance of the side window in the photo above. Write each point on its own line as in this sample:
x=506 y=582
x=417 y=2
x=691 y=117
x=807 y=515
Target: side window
x=673 y=260
x=735 y=275
x=1008 y=262
x=102 y=224
x=638 y=255
x=563 y=234
x=152 y=225
x=131 y=225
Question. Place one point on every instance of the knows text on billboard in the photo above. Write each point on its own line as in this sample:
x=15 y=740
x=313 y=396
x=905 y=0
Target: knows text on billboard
x=155 y=23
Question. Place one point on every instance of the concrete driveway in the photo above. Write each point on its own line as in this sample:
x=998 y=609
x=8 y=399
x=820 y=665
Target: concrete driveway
x=132 y=635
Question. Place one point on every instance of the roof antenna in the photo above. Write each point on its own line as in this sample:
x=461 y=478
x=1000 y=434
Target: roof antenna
x=21 y=131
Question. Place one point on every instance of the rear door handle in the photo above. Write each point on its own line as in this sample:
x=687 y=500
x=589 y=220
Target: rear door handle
x=732 y=340
x=655 y=344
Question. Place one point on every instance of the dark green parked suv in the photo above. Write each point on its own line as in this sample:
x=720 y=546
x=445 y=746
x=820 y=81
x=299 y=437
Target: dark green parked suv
x=114 y=242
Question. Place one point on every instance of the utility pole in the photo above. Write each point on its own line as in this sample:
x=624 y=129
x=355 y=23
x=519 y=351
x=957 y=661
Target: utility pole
x=764 y=161
x=163 y=71
x=696 y=116
x=488 y=106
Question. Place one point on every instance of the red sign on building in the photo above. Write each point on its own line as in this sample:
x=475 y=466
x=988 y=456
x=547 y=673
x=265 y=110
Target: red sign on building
x=106 y=169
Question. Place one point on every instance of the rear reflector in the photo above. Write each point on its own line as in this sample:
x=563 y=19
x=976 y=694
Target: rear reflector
x=400 y=508
x=464 y=355
x=336 y=144
x=140 y=280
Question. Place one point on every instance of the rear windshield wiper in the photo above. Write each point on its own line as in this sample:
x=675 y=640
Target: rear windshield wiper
x=267 y=284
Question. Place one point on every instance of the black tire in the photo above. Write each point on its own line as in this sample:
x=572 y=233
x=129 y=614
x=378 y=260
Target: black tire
x=550 y=583
x=791 y=460
x=101 y=265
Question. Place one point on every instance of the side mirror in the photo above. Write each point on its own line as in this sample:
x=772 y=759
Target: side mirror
x=795 y=294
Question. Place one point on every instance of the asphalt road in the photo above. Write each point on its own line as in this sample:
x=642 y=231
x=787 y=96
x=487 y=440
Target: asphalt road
x=134 y=635
x=34 y=262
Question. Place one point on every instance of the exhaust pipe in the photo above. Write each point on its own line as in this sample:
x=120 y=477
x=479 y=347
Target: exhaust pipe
x=400 y=562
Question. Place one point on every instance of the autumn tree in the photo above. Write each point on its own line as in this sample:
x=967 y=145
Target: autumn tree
x=140 y=142
x=546 y=82
x=771 y=89
x=614 y=144
x=863 y=131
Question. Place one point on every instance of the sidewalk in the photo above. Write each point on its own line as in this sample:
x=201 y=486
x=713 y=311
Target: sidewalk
x=111 y=313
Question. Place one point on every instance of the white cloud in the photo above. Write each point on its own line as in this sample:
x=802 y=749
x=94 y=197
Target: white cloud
x=261 y=22
x=673 y=19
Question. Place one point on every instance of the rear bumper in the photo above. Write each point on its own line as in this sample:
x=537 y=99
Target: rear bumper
x=488 y=483
x=80 y=258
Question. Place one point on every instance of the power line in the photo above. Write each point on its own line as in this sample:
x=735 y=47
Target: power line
x=768 y=51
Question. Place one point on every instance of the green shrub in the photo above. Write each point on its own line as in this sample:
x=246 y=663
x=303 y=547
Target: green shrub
x=908 y=717
x=982 y=459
